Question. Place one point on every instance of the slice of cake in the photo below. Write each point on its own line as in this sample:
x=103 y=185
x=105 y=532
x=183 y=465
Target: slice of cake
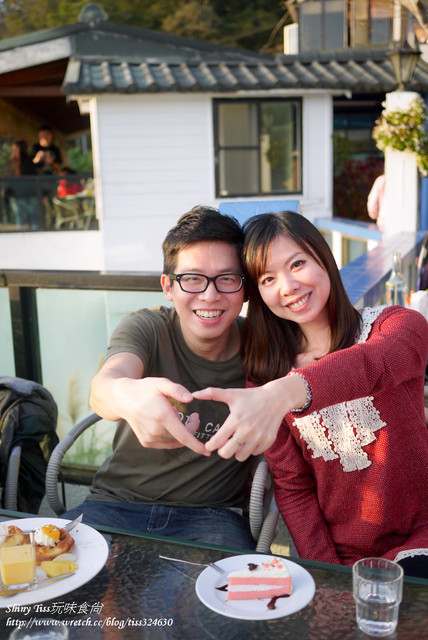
x=264 y=580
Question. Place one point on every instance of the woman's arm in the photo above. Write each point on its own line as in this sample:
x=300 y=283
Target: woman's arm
x=255 y=415
x=396 y=351
x=417 y=541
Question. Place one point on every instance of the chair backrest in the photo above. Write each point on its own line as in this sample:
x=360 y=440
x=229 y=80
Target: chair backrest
x=54 y=465
x=65 y=212
x=28 y=420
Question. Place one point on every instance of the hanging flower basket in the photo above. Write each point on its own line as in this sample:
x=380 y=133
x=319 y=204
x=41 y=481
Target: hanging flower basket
x=404 y=130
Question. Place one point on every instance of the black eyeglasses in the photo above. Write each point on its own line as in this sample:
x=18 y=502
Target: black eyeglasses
x=198 y=283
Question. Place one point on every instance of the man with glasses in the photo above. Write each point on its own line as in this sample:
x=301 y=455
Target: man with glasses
x=156 y=359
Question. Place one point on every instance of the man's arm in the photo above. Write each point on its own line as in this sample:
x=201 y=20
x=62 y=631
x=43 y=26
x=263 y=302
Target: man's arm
x=119 y=392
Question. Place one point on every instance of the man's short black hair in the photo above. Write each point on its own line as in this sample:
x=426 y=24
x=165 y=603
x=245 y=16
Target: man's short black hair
x=201 y=224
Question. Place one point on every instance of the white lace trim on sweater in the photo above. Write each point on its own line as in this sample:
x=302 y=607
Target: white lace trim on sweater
x=410 y=553
x=342 y=430
x=368 y=316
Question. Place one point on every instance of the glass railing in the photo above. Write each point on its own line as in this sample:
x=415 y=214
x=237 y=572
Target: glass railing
x=365 y=278
x=47 y=203
x=7 y=363
x=54 y=329
x=348 y=239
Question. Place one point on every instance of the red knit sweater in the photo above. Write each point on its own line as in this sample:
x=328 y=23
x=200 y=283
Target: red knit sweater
x=351 y=472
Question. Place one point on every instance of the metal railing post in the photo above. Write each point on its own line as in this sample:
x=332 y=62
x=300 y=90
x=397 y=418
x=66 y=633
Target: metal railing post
x=25 y=333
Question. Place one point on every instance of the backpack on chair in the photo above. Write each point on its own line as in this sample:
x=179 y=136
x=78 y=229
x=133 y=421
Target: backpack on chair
x=28 y=420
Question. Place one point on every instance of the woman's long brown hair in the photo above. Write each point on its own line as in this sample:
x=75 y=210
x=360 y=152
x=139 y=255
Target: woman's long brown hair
x=270 y=344
x=16 y=162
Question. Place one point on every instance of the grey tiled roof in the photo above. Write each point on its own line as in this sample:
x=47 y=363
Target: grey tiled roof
x=348 y=70
x=111 y=58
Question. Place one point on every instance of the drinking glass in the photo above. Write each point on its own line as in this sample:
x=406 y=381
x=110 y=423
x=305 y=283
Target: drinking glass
x=17 y=558
x=378 y=591
x=43 y=629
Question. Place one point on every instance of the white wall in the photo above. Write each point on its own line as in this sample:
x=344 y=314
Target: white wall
x=75 y=250
x=154 y=160
x=401 y=198
x=167 y=141
x=317 y=199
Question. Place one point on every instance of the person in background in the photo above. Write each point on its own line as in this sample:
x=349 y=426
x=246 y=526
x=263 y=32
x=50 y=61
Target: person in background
x=46 y=155
x=376 y=202
x=350 y=460
x=68 y=186
x=21 y=194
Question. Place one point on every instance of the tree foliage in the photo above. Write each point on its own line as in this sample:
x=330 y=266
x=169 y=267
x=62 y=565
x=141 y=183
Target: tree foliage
x=235 y=22
x=195 y=20
x=250 y=24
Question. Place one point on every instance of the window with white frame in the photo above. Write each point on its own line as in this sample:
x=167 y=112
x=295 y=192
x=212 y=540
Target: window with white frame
x=322 y=25
x=258 y=147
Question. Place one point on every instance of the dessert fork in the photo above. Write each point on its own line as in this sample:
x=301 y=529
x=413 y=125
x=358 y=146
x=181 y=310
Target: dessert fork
x=68 y=526
x=199 y=564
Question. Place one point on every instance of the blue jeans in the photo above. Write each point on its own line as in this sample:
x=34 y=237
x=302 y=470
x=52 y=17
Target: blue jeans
x=24 y=210
x=213 y=526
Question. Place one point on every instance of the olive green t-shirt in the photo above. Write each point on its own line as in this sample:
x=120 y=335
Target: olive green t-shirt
x=179 y=476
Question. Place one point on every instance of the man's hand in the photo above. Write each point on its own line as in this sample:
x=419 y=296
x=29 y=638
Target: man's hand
x=153 y=418
x=39 y=157
x=118 y=391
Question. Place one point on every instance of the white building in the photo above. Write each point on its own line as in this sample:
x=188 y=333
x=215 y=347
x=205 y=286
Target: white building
x=174 y=122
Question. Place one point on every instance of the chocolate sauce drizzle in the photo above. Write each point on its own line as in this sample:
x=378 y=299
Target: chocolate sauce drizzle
x=272 y=602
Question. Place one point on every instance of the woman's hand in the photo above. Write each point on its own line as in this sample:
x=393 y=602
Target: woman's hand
x=255 y=415
x=252 y=425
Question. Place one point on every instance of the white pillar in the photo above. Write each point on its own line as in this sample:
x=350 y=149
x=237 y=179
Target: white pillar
x=401 y=177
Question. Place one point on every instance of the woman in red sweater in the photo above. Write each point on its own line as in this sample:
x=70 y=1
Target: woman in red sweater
x=350 y=459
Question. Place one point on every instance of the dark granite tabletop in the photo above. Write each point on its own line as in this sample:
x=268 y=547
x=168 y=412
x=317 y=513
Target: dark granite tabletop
x=138 y=595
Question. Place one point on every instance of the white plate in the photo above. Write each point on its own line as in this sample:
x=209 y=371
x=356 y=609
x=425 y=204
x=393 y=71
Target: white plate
x=302 y=585
x=90 y=549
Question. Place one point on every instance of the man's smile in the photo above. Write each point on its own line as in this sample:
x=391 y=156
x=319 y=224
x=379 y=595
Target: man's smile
x=208 y=313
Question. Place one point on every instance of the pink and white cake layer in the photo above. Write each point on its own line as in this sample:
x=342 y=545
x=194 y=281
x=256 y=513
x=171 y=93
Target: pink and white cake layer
x=266 y=580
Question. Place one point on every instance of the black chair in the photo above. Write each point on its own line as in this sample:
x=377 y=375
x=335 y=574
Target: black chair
x=263 y=512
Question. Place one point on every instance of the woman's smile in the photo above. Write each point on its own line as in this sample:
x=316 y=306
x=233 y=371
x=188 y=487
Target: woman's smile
x=300 y=303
